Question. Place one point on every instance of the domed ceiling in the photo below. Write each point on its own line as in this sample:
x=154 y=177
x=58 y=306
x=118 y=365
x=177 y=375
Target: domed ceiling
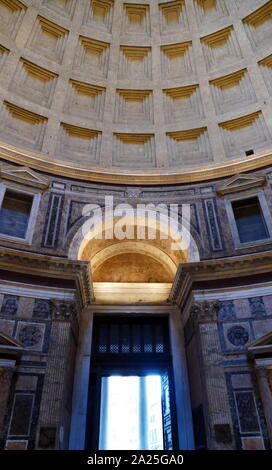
x=123 y=91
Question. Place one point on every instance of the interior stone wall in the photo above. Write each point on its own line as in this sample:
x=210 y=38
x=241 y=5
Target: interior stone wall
x=227 y=408
x=37 y=408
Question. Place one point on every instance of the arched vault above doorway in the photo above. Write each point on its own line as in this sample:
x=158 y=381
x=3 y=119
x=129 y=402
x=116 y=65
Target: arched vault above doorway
x=133 y=269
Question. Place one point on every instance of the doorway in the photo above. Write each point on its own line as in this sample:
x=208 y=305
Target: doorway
x=131 y=393
x=131 y=413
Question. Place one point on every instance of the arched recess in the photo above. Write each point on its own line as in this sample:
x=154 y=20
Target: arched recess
x=160 y=239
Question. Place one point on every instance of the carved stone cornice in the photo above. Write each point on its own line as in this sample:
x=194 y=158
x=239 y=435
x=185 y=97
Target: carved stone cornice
x=237 y=267
x=51 y=267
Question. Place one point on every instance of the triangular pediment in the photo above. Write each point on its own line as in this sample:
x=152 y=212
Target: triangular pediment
x=240 y=182
x=263 y=341
x=9 y=344
x=25 y=176
x=261 y=346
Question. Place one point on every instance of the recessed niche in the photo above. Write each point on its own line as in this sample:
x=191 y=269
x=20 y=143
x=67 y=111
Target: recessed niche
x=221 y=48
x=258 y=26
x=11 y=16
x=232 y=91
x=136 y=19
x=79 y=144
x=62 y=7
x=92 y=56
x=189 y=147
x=21 y=126
x=34 y=83
x=244 y=132
x=48 y=39
x=85 y=100
x=173 y=16
x=182 y=103
x=177 y=60
x=210 y=10
x=134 y=106
x=99 y=13
x=133 y=150
x=266 y=69
x=135 y=62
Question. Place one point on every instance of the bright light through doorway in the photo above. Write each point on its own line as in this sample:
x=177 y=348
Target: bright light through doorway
x=131 y=413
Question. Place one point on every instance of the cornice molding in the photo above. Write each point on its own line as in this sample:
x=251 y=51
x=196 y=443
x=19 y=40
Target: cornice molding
x=163 y=177
x=225 y=268
x=51 y=267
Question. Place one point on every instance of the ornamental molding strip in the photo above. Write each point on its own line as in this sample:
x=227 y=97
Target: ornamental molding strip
x=51 y=267
x=239 y=183
x=24 y=176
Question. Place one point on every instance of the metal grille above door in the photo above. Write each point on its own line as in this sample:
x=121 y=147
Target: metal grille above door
x=122 y=336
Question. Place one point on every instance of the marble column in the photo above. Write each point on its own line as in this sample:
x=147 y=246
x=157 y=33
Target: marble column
x=266 y=396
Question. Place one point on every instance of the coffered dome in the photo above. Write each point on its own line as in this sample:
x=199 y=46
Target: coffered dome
x=153 y=91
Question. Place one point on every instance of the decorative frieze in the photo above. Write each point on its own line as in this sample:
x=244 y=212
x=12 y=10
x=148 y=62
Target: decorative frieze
x=257 y=307
x=42 y=308
x=9 y=305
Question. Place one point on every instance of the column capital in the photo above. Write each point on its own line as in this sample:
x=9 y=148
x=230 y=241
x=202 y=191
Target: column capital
x=63 y=310
x=205 y=312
